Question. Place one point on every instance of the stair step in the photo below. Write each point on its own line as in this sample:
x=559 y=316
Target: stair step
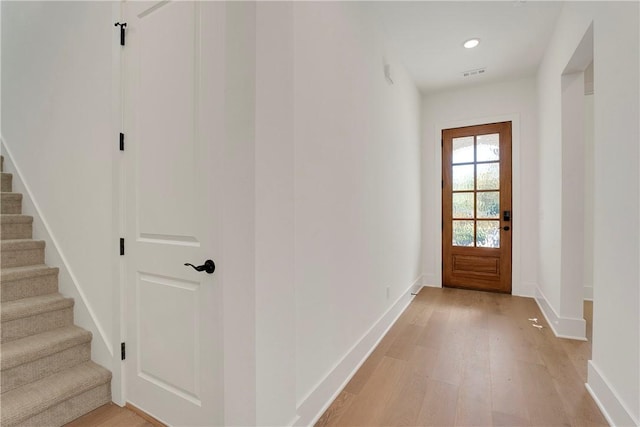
x=58 y=398
x=6 y=182
x=28 y=281
x=29 y=316
x=20 y=252
x=37 y=356
x=15 y=226
x=11 y=203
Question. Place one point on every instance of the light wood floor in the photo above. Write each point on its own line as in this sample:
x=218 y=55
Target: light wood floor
x=111 y=415
x=455 y=358
x=461 y=358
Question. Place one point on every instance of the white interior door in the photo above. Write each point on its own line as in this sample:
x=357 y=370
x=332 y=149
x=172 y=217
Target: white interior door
x=172 y=116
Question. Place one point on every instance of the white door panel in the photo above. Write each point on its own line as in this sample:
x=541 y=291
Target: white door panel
x=172 y=56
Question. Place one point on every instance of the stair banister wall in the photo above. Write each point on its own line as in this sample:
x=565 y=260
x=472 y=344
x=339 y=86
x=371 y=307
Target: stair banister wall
x=101 y=346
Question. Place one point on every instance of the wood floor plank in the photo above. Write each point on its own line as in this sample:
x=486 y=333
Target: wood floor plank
x=402 y=346
x=458 y=357
x=439 y=404
x=369 y=405
x=110 y=415
x=543 y=402
x=423 y=361
x=335 y=411
x=404 y=404
x=474 y=406
x=434 y=333
x=97 y=416
x=358 y=381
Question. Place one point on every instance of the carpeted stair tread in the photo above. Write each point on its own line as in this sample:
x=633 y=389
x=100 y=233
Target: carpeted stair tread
x=15 y=219
x=21 y=244
x=27 y=271
x=26 y=307
x=47 y=377
x=25 y=350
x=28 y=281
x=31 y=399
x=19 y=252
x=6 y=182
x=16 y=226
x=11 y=203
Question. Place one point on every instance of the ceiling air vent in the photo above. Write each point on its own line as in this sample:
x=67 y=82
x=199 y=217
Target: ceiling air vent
x=476 y=72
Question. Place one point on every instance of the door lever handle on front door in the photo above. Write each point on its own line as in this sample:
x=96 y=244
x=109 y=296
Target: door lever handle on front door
x=209 y=266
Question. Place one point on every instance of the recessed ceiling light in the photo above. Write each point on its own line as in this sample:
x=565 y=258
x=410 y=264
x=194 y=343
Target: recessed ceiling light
x=469 y=44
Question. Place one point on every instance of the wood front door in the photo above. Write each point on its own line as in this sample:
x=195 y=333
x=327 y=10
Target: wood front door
x=173 y=78
x=476 y=207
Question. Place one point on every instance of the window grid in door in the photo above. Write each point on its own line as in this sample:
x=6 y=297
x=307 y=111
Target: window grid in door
x=475 y=164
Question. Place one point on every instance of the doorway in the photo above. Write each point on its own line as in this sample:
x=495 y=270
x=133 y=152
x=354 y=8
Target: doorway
x=477 y=207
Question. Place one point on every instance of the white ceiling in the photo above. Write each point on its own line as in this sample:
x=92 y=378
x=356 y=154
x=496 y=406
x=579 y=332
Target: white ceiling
x=427 y=37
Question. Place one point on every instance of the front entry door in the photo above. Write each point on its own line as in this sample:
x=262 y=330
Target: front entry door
x=172 y=80
x=476 y=207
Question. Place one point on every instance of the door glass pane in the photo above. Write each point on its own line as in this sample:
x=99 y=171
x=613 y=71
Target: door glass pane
x=488 y=205
x=463 y=205
x=462 y=150
x=488 y=234
x=463 y=233
x=488 y=147
x=488 y=176
x=463 y=178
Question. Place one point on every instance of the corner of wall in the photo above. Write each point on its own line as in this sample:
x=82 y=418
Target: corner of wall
x=311 y=408
x=526 y=289
x=605 y=396
x=562 y=327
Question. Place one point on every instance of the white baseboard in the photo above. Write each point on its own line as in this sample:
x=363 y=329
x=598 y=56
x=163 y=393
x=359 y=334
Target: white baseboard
x=562 y=327
x=84 y=315
x=605 y=396
x=431 y=285
x=588 y=293
x=320 y=398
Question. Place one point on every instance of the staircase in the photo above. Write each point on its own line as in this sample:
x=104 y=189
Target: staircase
x=47 y=376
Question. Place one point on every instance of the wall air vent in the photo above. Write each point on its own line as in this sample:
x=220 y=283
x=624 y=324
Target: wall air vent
x=476 y=72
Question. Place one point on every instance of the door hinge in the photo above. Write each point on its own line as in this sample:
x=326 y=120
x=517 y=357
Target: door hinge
x=123 y=351
x=441 y=142
x=122 y=26
x=121 y=141
x=122 y=246
x=443 y=183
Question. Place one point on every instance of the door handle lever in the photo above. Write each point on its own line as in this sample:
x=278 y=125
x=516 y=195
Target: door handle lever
x=209 y=266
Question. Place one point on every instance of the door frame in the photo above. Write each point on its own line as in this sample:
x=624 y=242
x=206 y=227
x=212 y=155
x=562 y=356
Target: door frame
x=518 y=288
x=118 y=213
x=501 y=283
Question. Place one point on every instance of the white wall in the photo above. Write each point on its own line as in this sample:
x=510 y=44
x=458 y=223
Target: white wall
x=274 y=220
x=573 y=196
x=614 y=371
x=238 y=265
x=589 y=172
x=512 y=100
x=357 y=186
x=56 y=122
x=346 y=195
